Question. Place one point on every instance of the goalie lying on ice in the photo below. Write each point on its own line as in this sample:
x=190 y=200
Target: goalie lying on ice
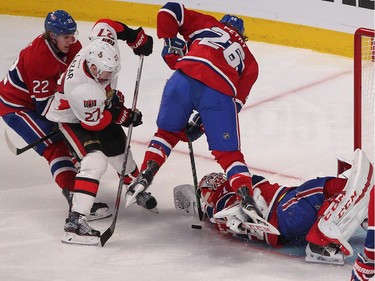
x=322 y=213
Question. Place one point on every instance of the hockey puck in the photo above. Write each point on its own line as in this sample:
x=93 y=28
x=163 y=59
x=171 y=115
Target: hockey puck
x=196 y=226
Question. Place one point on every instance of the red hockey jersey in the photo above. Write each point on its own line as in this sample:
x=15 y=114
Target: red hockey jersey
x=217 y=55
x=31 y=81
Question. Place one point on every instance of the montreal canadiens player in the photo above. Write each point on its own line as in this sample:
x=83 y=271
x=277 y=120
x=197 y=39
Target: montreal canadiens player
x=90 y=112
x=25 y=94
x=363 y=268
x=320 y=212
x=215 y=72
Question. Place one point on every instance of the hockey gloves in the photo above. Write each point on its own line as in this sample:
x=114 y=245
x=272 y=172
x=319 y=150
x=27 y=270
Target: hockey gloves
x=233 y=216
x=194 y=129
x=114 y=98
x=363 y=269
x=125 y=116
x=140 y=42
x=174 y=48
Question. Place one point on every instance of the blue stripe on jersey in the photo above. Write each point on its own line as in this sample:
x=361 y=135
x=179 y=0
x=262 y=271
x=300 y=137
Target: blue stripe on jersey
x=176 y=9
x=237 y=169
x=255 y=179
x=158 y=144
x=221 y=203
x=16 y=80
x=41 y=105
x=209 y=211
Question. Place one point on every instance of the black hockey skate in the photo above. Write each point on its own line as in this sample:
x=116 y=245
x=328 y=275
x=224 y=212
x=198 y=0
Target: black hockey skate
x=147 y=201
x=77 y=231
x=142 y=182
x=98 y=211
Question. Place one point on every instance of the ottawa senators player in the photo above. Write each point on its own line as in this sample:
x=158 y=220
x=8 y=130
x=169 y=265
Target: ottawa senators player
x=90 y=112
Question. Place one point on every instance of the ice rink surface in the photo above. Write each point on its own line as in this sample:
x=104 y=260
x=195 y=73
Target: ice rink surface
x=298 y=117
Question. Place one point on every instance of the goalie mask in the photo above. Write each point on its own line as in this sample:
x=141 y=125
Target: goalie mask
x=106 y=59
x=211 y=186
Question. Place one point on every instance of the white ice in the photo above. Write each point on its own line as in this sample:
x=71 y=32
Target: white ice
x=297 y=118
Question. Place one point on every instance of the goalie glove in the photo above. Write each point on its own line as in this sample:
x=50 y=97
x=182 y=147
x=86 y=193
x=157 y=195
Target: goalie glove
x=194 y=129
x=125 y=116
x=174 y=48
x=140 y=42
x=233 y=216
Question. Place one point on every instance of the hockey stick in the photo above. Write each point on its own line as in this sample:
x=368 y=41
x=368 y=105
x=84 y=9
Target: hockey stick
x=109 y=232
x=17 y=151
x=194 y=171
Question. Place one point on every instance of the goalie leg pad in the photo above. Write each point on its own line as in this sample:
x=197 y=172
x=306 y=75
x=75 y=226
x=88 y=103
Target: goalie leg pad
x=349 y=208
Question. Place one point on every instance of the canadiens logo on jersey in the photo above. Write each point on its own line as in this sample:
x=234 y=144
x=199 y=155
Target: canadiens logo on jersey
x=89 y=103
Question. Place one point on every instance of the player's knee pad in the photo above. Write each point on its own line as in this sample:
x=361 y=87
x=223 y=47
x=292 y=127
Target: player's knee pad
x=117 y=163
x=93 y=165
x=349 y=208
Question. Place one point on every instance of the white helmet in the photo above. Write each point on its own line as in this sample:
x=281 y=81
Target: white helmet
x=104 y=56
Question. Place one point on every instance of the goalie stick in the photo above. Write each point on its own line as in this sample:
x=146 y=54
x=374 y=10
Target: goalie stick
x=195 y=180
x=109 y=232
x=17 y=151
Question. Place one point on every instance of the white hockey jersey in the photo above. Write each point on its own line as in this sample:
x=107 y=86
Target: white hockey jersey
x=80 y=98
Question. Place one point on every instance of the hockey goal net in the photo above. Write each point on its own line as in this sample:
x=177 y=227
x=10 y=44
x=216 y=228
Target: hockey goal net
x=364 y=95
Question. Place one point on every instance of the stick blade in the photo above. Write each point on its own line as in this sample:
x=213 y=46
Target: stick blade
x=106 y=235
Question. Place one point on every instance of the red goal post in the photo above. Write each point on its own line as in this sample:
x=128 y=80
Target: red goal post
x=364 y=95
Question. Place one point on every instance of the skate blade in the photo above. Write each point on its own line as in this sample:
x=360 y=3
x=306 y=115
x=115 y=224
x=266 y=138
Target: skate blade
x=72 y=238
x=316 y=258
x=130 y=195
x=154 y=210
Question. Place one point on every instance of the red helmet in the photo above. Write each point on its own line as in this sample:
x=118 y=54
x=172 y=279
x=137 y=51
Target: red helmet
x=208 y=186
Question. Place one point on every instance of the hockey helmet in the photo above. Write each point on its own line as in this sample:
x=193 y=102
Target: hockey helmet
x=60 y=23
x=208 y=186
x=234 y=21
x=105 y=57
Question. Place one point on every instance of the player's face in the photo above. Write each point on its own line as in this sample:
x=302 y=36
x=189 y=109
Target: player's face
x=63 y=42
x=105 y=76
